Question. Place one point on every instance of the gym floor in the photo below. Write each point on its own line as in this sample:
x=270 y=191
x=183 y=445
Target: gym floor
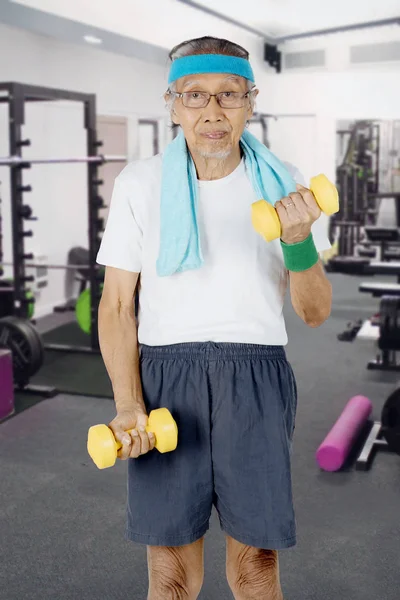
x=62 y=520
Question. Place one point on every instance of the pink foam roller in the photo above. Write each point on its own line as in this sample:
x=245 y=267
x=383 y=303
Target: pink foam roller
x=335 y=448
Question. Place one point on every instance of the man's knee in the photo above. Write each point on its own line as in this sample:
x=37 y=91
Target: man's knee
x=253 y=573
x=173 y=574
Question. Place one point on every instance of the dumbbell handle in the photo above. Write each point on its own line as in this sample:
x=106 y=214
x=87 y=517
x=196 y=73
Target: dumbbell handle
x=265 y=217
x=103 y=447
x=118 y=444
x=171 y=428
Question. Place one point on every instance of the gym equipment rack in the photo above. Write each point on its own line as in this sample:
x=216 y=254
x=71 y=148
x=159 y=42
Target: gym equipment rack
x=16 y=95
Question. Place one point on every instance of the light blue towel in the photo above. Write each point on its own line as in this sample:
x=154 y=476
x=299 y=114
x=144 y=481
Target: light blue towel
x=180 y=244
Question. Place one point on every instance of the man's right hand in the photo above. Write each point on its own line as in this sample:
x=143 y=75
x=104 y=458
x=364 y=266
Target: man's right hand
x=136 y=443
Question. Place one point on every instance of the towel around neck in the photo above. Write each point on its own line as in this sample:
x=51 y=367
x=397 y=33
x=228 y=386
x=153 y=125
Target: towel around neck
x=180 y=244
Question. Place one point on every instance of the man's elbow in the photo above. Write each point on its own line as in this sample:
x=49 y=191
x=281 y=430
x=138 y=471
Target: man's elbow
x=318 y=317
x=314 y=323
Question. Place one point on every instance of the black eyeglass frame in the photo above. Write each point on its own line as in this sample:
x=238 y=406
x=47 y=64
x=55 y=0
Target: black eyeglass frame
x=209 y=96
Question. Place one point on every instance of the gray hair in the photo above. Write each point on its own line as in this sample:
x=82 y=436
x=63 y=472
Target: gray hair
x=208 y=45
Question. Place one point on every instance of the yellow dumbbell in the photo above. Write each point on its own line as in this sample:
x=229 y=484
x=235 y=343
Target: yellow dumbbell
x=265 y=218
x=103 y=447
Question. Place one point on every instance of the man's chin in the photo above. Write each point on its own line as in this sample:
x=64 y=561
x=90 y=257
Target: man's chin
x=221 y=154
x=220 y=151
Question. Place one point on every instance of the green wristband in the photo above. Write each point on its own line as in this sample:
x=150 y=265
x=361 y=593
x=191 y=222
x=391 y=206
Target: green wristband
x=301 y=256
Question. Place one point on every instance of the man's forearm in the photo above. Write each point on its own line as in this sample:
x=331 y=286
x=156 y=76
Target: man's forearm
x=119 y=348
x=311 y=295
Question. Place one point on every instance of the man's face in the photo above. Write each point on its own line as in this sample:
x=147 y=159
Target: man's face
x=212 y=131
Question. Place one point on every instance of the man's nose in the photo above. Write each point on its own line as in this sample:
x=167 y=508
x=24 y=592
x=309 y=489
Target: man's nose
x=213 y=111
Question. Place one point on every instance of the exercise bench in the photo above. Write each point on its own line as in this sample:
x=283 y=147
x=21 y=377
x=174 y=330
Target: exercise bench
x=380 y=289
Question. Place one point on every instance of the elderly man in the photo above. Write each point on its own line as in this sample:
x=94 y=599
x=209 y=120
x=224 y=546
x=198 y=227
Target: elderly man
x=211 y=334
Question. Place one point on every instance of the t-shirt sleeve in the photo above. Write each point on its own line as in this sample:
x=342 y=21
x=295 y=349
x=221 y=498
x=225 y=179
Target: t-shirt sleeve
x=320 y=227
x=121 y=244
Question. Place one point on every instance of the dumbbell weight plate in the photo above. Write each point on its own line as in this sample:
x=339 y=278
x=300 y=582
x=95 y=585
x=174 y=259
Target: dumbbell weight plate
x=101 y=446
x=325 y=193
x=265 y=220
x=161 y=421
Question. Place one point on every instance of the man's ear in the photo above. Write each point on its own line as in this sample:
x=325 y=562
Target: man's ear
x=250 y=111
x=174 y=116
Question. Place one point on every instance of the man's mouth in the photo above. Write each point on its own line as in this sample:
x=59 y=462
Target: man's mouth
x=214 y=135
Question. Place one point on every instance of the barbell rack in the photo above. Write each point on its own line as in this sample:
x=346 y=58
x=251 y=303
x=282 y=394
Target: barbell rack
x=16 y=95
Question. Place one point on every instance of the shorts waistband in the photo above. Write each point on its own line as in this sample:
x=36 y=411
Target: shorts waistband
x=212 y=351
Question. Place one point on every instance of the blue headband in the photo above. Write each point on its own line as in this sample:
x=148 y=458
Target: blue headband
x=210 y=63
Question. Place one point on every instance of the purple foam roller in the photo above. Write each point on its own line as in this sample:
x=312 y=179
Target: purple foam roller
x=337 y=445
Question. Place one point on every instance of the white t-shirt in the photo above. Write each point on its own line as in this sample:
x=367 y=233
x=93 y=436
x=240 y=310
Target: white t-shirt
x=236 y=296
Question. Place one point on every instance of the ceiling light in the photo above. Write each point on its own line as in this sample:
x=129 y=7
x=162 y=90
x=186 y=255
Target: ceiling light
x=91 y=39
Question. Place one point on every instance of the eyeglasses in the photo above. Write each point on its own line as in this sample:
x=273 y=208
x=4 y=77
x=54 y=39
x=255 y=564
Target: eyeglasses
x=202 y=99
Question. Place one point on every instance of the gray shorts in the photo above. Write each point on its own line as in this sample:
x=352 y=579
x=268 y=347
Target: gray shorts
x=235 y=407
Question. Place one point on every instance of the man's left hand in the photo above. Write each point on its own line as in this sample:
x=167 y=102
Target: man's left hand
x=297 y=212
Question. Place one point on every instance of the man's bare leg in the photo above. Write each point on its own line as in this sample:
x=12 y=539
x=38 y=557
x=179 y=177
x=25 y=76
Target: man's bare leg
x=252 y=573
x=175 y=573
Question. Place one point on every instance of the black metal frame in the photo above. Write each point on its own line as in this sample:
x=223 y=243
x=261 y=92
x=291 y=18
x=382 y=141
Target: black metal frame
x=358 y=204
x=16 y=95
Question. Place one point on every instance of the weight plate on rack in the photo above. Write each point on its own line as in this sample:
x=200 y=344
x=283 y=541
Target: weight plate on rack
x=31 y=305
x=82 y=310
x=21 y=338
x=35 y=341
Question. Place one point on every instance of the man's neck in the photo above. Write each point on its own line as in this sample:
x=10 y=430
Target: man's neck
x=216 y=168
